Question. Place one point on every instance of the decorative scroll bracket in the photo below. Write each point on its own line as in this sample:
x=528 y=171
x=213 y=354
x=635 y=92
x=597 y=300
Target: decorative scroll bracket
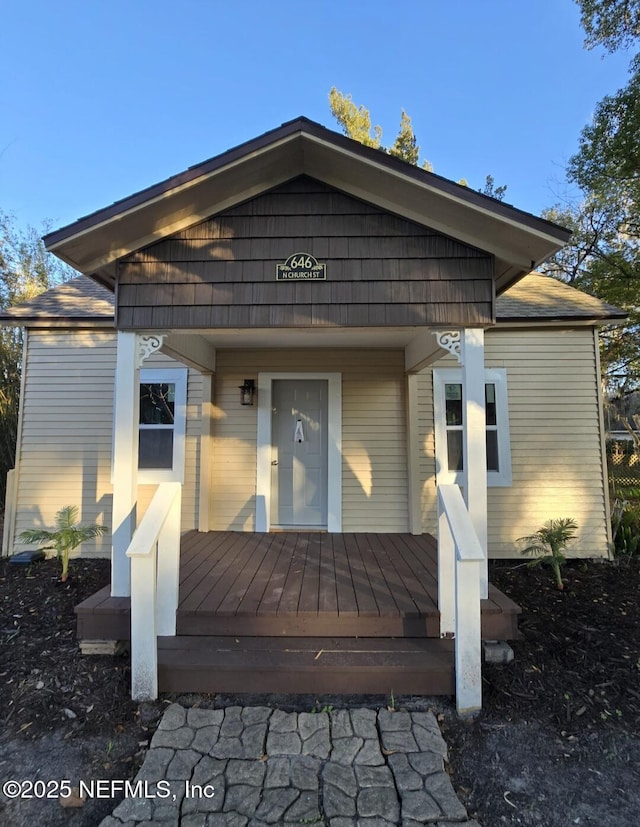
x=146 y=345
x=450 y=340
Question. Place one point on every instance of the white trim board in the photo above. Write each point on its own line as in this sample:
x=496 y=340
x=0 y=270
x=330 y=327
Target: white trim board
x=334 y=447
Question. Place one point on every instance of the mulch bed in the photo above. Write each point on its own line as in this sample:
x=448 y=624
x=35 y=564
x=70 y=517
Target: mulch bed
x=575 y=682
x=44 y=682
x=558 y=741
x=578 y=663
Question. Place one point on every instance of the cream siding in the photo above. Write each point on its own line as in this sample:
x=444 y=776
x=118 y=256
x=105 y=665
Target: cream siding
x=64 y=455
x=553 y=390
x=374 y=466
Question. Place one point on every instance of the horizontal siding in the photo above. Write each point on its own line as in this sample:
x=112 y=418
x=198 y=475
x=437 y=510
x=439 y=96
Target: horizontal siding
x=553 y=391
x=64 y=457
x=65 y=453
x=555 y=438
x=374 y=470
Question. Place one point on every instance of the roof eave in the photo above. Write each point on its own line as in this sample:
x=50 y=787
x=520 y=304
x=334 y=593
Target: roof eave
x=518 y=241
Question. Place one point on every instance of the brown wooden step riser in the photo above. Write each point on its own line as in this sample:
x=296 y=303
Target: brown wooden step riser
x=309 y=626
x=116 y=627
x=315 y=682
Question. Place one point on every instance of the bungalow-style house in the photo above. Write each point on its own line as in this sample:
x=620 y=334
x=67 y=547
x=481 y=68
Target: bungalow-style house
x=285 y=372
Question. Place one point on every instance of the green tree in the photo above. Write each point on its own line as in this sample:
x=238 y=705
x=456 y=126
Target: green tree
x=26 y=269
x=603 y=257
x=356 y=123
x=405 y=145
x=491 y=190
x=613 y=24
x=608 y=159
x=600 y=261
x=354 y=120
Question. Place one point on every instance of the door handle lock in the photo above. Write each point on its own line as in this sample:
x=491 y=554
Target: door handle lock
x=274 y=461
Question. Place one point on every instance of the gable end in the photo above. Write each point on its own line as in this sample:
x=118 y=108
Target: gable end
x=381 y=269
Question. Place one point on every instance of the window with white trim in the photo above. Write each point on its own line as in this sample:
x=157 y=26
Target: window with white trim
x=162 y=425
x=448 y=401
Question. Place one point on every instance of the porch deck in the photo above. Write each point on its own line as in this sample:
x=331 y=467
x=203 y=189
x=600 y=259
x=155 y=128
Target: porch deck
x=297 y=584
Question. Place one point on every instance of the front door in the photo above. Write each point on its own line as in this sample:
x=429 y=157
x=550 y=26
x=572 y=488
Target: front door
x=299 y=453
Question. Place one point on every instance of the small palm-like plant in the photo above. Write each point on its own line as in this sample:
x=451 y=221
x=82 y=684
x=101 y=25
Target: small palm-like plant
x=67 y=535
x=549 y=543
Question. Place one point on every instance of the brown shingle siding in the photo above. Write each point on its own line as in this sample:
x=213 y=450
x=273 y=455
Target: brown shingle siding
x=381 y=269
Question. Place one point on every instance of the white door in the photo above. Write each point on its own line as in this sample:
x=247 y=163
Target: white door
x=299 y=453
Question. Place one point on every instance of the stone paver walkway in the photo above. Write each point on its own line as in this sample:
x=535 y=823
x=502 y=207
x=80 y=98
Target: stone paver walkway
x=255 y=766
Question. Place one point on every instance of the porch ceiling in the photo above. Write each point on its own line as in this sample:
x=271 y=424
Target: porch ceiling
x=355 y=337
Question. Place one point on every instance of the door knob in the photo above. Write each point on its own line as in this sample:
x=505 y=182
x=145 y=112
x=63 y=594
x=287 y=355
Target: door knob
x=274 y=461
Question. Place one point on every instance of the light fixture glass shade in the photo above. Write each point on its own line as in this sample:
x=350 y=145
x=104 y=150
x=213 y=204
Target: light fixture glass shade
x=247 y=392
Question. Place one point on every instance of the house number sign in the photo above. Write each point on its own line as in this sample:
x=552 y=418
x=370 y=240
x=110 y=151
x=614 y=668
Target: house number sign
x=301 y=267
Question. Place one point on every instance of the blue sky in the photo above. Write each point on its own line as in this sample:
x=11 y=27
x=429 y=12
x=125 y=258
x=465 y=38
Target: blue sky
x=100 y=98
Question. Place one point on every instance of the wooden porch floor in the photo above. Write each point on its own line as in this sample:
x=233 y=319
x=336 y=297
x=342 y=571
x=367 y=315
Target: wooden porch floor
x=300 y=584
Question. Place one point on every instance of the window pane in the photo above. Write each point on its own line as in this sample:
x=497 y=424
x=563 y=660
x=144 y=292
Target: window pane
x=155 y=448
x=157 y=403
x=493 y=463
x=454 y=450
x=453 y=403
x=490 y=403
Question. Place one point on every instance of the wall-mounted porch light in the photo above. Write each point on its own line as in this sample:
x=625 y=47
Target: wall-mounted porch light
x=247 y=392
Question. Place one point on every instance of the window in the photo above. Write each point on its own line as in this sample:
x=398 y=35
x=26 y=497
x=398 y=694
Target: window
x=449 y=424
x=163 y=402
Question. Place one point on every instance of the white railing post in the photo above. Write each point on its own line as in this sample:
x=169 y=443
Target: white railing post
x=155 y=558
x=169 y=570
x=144 y=645
x=455 y=527
x=446 y=574
x=468 y=638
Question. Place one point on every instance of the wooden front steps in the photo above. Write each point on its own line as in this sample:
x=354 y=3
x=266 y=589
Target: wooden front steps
x=103 y=617
x=255 y=610
x=306 y=665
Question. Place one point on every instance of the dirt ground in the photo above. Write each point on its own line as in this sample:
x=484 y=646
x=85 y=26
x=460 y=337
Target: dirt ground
x=558 y=742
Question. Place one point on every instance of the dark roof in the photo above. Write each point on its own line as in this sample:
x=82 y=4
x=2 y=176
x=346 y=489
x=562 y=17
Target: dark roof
x=534 y=298
x=300 y=124
x=518 y=240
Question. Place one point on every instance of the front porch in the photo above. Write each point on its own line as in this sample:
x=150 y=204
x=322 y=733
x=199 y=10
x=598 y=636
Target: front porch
x=303 y=612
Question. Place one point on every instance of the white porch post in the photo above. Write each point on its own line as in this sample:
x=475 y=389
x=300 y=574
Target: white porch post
x=125 y=460
x=413 y=455
x=474 y=438
x=206 y=450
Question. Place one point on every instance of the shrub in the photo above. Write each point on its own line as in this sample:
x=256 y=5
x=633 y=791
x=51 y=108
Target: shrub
x=67 y=534
x=549 y=543
x=625 y=528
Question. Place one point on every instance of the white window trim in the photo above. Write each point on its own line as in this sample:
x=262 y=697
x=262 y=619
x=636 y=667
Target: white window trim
x=177 y=377
x=497 y=377
x=334 y=448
